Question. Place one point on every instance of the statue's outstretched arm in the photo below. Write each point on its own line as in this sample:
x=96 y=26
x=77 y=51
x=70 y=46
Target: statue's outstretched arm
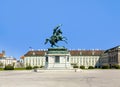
x=46 y=41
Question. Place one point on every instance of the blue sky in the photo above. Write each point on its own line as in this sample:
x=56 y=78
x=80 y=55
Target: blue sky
x=88 y=24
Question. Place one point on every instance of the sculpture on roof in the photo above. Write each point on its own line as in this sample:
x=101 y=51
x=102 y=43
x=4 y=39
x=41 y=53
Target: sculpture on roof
x=56 y=37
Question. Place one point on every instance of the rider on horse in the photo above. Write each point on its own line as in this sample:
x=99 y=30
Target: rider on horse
x=57 y=36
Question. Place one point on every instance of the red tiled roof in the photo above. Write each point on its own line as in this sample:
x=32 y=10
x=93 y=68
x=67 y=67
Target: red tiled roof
x=1 y=55
x=22 y=57
x=72 y=52
x=35 y=53
x=86 y=52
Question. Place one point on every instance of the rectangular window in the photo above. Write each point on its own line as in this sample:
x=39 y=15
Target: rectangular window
x=57 y=59
x=46 y=59
x=38 y=61
x=71 y=60
x=33 y=61
x=67 y=59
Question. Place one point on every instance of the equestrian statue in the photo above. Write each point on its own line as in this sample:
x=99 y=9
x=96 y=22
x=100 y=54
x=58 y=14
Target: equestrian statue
x=56 y=37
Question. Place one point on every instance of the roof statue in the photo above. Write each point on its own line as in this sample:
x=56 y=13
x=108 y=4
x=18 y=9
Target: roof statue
x=56 y=37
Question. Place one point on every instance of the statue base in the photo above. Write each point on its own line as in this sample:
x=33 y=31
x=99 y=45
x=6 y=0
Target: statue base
x=57 y=58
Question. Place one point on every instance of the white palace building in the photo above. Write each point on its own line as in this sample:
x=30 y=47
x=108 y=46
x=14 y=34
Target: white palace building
x=79 y=57
x=5 y=60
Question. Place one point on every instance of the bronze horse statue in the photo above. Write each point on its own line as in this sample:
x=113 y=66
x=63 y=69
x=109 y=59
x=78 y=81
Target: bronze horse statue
x=57 y=36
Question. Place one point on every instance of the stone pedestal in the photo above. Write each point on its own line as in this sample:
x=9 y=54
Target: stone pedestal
x=57 y=58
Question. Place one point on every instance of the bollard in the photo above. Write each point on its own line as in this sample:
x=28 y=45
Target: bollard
x=75 y=70
x=35 y=69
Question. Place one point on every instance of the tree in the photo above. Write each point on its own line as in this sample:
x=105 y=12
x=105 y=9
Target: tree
x=9 y=67
x=29 y=67
x=106 y=66
x=82 y=67
x=90 y=67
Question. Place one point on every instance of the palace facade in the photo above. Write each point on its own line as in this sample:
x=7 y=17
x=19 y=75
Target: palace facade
x=77 y=57
x=95 y=58
x=111 y=57
x=4 y=60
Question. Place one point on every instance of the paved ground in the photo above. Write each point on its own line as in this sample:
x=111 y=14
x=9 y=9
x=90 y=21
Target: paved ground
x=86 y=78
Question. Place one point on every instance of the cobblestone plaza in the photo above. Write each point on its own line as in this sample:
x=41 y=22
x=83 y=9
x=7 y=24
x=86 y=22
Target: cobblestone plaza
x=83 y=78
